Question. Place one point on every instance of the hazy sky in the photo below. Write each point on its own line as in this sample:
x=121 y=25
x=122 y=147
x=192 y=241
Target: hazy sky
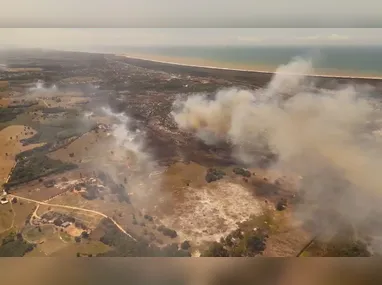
x=47 y=23
x=89 y=38
x=191 y=13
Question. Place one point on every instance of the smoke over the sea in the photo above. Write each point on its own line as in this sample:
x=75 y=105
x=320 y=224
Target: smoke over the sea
x=326 y=136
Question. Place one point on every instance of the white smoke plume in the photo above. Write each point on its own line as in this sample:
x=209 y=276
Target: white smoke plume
x=133 y=160
x=327 y=136
x=39 y=89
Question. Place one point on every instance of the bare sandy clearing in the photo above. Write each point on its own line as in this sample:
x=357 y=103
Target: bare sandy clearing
x=210 y=212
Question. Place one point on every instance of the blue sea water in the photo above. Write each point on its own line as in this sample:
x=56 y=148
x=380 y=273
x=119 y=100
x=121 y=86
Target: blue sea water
x=357 y=60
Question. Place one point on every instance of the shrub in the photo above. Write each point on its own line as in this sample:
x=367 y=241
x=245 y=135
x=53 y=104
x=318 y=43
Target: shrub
x=242 y=172
x=214 y=175
x=281 y=204
x=167 y=232
x=148 y=217
x=185 y=245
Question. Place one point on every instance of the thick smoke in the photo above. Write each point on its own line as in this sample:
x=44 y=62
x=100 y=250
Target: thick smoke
x=329 y=137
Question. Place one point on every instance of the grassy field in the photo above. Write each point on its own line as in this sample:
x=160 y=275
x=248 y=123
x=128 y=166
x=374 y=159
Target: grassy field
x=10 y=146
x=39 y=234
x=22 y=211
x=87 y=148
x=84 y=248
x=4 y=85
x=6 y=217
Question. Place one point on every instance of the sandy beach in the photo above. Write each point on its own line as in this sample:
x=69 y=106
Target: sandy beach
x=203 y=63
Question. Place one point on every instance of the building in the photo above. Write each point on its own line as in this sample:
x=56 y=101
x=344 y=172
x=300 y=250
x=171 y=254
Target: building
x=4 y=201
x=66 y=224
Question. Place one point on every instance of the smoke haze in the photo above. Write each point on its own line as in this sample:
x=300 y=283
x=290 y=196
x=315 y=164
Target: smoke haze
x=325 y=136
x=131 y=160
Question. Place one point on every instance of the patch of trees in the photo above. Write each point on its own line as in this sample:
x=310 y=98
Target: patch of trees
x=38 y=150
x=58 y=218
x=241 y=171
x=214 y=174
x=36 y=138
x=239 y=244
x=65 y=134
x=36 y=167
x=8 y=114
x=148 y=217
x=14 y=246
x=22 y=105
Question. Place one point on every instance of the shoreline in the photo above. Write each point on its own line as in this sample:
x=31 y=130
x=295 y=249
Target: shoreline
x=326 y=75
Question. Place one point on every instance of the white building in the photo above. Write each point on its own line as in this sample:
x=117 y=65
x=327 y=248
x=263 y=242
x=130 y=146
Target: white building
x=4 y=201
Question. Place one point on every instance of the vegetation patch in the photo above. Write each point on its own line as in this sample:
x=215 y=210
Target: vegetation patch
x=35 y=167
x=214 y=174
x=123 y=246
x=167 y=231
x=239 y=244
x=242 y=172
x=13 y=245
x=8 y=114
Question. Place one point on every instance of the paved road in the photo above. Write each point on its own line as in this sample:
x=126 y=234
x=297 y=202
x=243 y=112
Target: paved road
x=75 y=208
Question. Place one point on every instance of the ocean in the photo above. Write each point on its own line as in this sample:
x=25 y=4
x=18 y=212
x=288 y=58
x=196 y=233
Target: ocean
x=340 y=60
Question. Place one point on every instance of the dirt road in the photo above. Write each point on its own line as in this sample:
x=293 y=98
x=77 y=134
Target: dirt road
x=75 y=208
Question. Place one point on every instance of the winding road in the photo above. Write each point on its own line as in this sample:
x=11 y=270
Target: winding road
x=77 y=209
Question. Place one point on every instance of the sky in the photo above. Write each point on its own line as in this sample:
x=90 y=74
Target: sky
x=73 y=24
x=70 y=38
x=191 y=13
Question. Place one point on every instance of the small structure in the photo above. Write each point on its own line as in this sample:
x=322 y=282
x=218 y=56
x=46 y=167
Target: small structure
x=66 y=224
x=4 y=201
